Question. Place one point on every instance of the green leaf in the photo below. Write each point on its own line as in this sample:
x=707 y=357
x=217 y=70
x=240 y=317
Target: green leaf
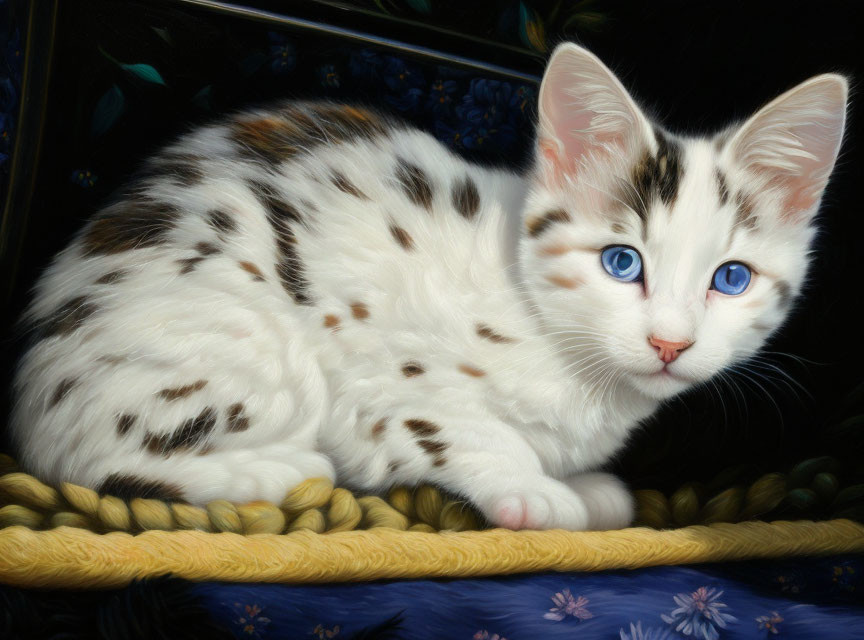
x=531 y=30
x=144 y=71
x=108 y=109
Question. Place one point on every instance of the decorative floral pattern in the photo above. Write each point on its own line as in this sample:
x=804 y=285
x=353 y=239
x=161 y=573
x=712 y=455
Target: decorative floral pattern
x=322 y=633
x=699 y=614
x=567 y=605
x=10 y=86
x=249 y=620
x=769 y=622
x=636 y=632
x=485 y=635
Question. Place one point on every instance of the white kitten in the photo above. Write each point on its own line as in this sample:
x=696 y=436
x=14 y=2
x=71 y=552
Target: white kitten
x=312 y=290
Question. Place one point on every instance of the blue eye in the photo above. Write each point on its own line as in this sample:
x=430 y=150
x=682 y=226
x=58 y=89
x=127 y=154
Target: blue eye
x=623 y=263
x=731 y=278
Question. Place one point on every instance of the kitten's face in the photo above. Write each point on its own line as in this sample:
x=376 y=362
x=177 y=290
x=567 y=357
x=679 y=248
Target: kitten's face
x=627 y=227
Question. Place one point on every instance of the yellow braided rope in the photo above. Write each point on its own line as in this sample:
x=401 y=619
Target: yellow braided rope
x=70 y=557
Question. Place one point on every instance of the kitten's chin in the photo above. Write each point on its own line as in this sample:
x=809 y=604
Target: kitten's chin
x=661 y=385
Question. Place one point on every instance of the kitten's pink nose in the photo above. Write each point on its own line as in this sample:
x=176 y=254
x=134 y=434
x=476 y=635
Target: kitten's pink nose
x=667 y=350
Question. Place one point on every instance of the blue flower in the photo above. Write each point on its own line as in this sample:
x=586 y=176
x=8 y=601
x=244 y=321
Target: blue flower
x=567 y=605
x=489 y=113
x=440 y=99
x=843 y=576
x=283 y=55
x=651 y=633
x=405 y=83
x=83 y=178
x=365 y=64
x=698 y=613
x=328 y=76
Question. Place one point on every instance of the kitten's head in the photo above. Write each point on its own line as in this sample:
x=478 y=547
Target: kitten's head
x=658 y=260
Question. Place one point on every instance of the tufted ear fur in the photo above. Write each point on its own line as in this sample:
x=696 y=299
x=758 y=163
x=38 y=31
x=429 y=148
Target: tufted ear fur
x=585 y=116
x=791 y=144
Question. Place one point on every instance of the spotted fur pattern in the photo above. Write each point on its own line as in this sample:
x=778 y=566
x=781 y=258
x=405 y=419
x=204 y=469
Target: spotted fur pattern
x=313 y=290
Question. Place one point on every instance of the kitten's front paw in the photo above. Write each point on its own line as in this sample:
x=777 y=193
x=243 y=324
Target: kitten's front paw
x=548 y=506
x=609 y=503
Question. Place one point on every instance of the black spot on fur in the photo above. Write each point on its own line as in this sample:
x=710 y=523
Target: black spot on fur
x=536 y=226
x=125 y=422
x=135 y=223
x=207 y=249
x=237 y=421
x=281 y=215
x=66 y=385
x=129 y=487
x=466 y=198
x=189 y=435
x=69 y=317
x=784 y=293
x=422 y=428
x=415 y=183
x=722 y=186
x=346 y=186
x=654 y=177
x=486 y=332
x=412 y=369
x=182 y=169
x=402 y=237
x=221 y=221
x=745 y=215
x=435 y=449
x=112 y=277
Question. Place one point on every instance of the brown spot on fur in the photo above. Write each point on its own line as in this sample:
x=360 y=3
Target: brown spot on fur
x=359 y=310
x=280 y=215
x=474 y=372
x=270 y=139
x=434 y=449
x=181 y=392
x=346 y=186
x=132 y=224
x=221 y=221
x=538 y=225
x=237 y=422
x=69 y=317
x=66 y=385
x=617 y=227
x=415 y=183
x=129 y=487
x=188 y=436
x=422 y=428
x=402 y=237
x=784 y=293
x=253 y=270
x=207 y=248
x=412 y=369
x=485 y=331
x=112 y=276
x=563 y=281
x=393 y=467
x=744 y=214
x=125 y=422
x=187 y=265
x=378 y=428
x=466 y=198
x=554 y=250
x=332 y=322
x=722 y=186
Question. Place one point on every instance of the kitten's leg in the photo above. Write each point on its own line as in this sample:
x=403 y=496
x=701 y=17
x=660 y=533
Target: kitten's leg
x=608 y=500
x=481 y=458
x=241 y=475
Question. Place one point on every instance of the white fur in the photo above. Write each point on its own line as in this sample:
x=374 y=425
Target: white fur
x=555 y=403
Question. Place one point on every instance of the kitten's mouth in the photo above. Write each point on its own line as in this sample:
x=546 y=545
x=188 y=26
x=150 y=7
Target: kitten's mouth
x=664 y=373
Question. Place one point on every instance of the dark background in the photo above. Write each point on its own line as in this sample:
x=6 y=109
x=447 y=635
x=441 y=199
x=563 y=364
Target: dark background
x=696 y=65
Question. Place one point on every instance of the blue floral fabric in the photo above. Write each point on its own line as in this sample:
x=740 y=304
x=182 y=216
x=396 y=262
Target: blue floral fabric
x=806 y=599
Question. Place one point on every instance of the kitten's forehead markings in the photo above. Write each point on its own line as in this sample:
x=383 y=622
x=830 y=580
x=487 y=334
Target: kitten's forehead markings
x=537 y=225
x=722 y=186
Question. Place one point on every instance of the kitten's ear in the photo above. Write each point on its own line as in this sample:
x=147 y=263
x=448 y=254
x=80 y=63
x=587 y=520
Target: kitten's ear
x=792 y=142
x=585 y=114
